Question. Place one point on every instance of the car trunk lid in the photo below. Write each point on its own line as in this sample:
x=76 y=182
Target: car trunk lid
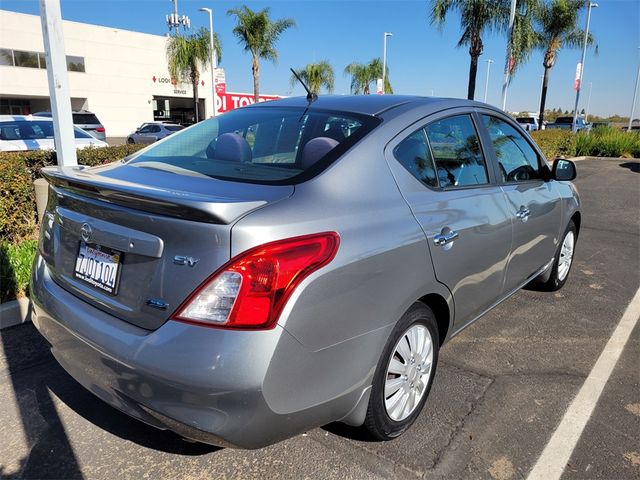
x=167 y=233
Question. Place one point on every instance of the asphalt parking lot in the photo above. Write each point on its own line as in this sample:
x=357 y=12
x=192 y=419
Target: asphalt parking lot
x=501 y=389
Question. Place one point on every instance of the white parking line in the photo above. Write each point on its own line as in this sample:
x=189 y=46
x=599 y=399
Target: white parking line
x=556 y=454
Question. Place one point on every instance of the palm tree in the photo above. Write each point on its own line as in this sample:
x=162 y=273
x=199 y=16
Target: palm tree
x=476 y=17
x=316 y=76
x=557 y=22
x=363 y=74
x=186 y=55
x=259 y=34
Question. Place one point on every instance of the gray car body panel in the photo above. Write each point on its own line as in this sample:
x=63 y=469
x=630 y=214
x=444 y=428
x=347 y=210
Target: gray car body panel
x=252 y=388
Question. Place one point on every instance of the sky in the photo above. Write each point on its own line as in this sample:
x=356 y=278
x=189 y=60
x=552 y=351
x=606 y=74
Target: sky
x=422 y=59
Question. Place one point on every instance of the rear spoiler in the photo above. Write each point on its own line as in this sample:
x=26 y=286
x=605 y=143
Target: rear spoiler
x=174 y=203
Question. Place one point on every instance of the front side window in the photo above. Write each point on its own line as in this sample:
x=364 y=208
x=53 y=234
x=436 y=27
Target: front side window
x=414 y=155
x=262 y=145
x=457 y=153
x=517 y=160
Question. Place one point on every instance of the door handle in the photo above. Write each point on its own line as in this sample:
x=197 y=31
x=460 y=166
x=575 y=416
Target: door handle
x=523 y=214
x=445 y=237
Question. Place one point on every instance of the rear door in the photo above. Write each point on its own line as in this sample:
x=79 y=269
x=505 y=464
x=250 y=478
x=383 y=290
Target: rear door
x=533 y=204
x=462 y=212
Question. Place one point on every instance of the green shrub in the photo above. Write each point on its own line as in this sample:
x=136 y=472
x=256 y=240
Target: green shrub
x=555 y=143
x=608 y=142
x=35 y=160
x=15 y=268
x=17 y=201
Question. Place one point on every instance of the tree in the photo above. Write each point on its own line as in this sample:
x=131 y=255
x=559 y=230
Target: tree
x=259 y=35
x=476 y=17
x=186 y=55
x=363 y=74
x=316 y=76
x=557 y=28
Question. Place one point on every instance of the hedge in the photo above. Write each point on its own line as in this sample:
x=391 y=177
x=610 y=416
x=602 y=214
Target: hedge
x=555 y=143
x=15 y=268
x=17 y=196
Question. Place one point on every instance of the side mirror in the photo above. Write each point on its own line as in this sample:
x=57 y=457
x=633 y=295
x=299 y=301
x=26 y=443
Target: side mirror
x=563 y=170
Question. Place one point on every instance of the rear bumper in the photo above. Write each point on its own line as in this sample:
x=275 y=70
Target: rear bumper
x=206 y=384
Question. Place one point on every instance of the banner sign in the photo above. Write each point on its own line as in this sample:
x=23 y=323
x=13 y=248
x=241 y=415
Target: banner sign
x=230 y=101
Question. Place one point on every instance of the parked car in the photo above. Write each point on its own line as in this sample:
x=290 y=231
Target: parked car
x=152 y=132
x=294 y=263
x=85 y=120
x=530 y=124
x=20 y=132
x=566 y=123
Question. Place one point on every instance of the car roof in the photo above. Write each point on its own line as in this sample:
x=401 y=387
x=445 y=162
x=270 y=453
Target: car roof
x=366 y=104
x=22 y=118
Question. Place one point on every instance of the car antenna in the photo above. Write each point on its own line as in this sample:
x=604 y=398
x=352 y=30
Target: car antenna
x=310 y=96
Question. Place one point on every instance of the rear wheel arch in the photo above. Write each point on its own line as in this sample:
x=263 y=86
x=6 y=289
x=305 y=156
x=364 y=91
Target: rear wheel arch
x=442 y=312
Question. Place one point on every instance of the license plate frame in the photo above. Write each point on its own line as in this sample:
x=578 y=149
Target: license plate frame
x=108 y=257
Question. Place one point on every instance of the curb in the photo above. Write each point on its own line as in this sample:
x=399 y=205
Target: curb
x=14 y=313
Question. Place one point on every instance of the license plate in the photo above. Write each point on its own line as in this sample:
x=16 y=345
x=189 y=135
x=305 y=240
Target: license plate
x=99 y=267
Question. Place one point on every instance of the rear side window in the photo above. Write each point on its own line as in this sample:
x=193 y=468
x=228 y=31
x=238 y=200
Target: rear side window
x=456 y=151
x=85 y=119
x=263 y=145
x=414 y=155
x=174 y=128
x=517 y=160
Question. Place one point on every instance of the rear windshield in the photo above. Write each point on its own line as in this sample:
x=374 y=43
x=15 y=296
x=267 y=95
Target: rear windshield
x=35 y=130
x=269 y=145
x=85 y=119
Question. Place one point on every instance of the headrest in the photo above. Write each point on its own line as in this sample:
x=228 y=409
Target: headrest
x=315 y=149
x=230 y=147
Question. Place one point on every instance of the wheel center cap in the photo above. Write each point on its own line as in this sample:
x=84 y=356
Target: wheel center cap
x=412 y=373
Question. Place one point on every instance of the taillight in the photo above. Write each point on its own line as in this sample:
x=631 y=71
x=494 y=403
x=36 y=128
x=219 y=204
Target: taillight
x=251 y=290
x=100 y=129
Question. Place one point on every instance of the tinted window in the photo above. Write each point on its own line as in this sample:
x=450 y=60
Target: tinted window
x=414 y=155
x=75 y=64
x=174 y=128
x=456 y=152
x=265 y=145
x=36 y=130
x=524 y=120
x=25 y=59
x=517 y=159
x=85 y=119
x=155 y=129
x=6 y=57
x=564 y=120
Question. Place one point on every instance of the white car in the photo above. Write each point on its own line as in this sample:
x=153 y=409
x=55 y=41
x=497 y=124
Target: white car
x=26 y=132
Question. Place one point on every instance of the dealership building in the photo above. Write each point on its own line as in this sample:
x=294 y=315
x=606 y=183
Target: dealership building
x=119 y=75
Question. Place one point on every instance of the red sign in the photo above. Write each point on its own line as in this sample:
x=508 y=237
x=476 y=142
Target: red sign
x=576 y=84
x=229 y=101
x=221 y=88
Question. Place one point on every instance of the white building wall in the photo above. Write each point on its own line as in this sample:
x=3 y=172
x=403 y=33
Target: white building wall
x=119 y=68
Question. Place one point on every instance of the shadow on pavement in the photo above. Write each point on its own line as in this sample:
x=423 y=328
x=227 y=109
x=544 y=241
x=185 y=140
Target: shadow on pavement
x=34 y=376
x=633 y=166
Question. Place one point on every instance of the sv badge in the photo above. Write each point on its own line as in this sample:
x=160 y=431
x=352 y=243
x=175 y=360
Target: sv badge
x=185 y=260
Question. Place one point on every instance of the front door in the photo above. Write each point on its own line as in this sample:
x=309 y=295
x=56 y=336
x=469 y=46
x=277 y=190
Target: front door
x=533 y=203
x=461 y=211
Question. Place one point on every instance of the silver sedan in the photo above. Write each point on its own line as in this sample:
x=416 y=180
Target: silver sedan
x=296 y=263
x=152 y=132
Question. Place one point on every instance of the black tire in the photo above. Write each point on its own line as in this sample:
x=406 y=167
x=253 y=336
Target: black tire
x=555 y=282
x=130 y=141
x=378 y=424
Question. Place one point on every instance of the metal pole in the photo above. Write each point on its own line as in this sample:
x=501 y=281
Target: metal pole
x=586 y=112
x=486 y=83
x=633 y=103
x=214 y=59
x=507 y=63
x=581 y=72
x=384 y=61
x=58 y=82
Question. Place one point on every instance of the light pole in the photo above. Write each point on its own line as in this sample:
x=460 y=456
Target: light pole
x=384 y=60
x=581 y=70
x=486 y=83
x=633 y=103
x=586 y=112
x=214 y=58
